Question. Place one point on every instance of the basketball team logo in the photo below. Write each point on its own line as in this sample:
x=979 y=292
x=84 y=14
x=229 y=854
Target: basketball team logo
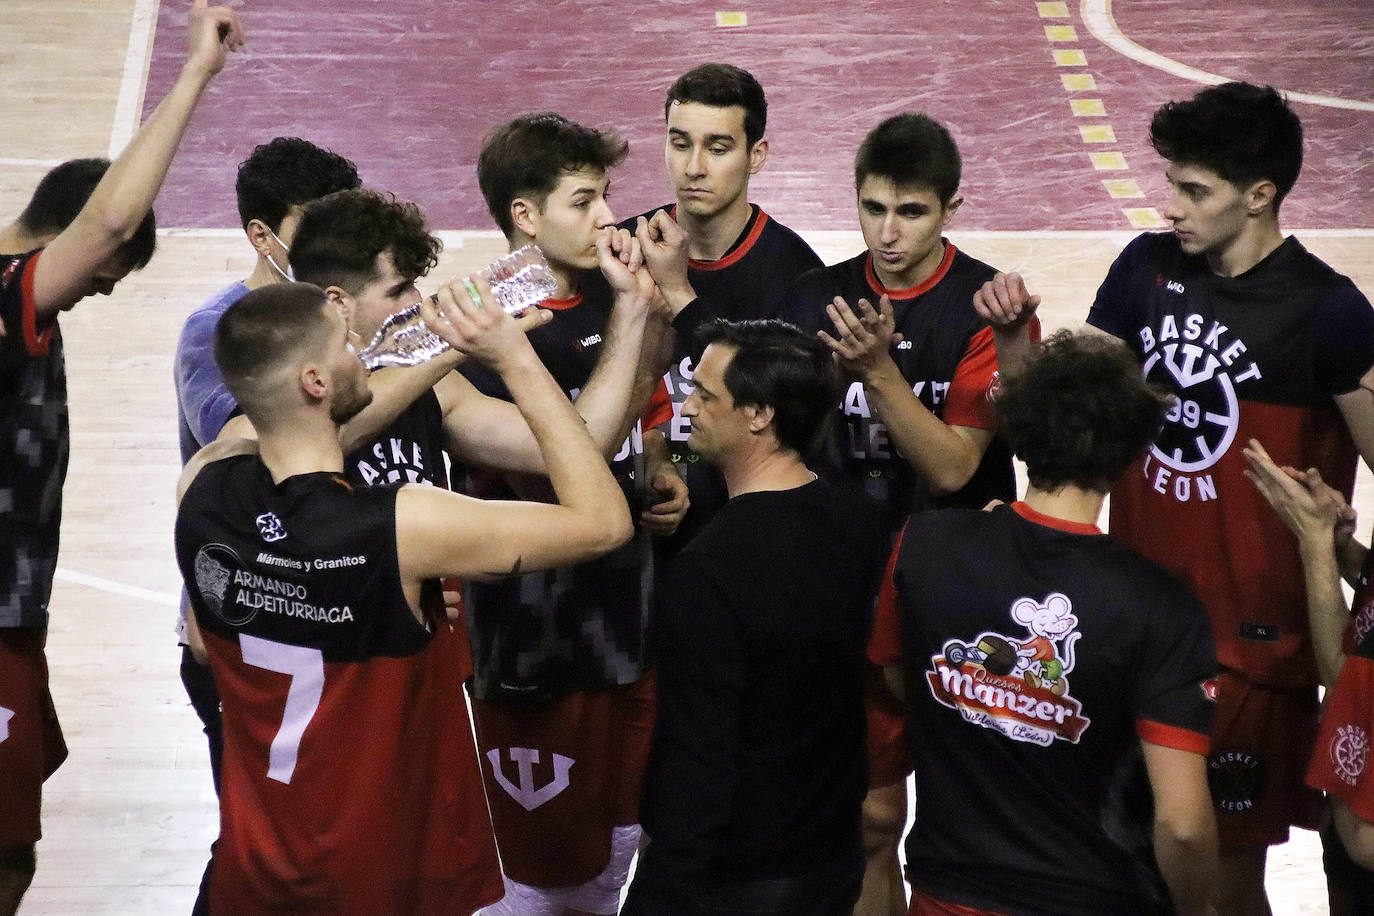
x=1201 y=362
x=214 y=566
x=1237 y=780
x=1350 y=753
x=1016 y=685
x=525 y=790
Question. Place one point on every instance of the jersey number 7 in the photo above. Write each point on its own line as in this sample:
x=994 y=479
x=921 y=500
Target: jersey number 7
x=306 y=668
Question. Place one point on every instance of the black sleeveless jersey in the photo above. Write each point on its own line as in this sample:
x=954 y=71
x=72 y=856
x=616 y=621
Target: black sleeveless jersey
x=410 y=450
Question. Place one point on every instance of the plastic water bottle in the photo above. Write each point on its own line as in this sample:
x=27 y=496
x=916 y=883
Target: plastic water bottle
x=519 y=280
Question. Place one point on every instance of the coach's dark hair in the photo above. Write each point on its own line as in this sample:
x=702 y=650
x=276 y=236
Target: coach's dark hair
x=261 y=330
x=778 y=365
x=341 y=234
x=1079 y=412
x=62 y=193
x=1244 y=133
x=721 y=86
x=287 y=172
x=526 y=157
x=912 y=151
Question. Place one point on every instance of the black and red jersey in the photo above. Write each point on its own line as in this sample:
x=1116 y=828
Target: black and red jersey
x=409 y=450
x=34 y=446
x=1340 y=758
x=544 y=634
x=1037 y=654
x=1260 y=356
x=947 y=356
x=350 y=779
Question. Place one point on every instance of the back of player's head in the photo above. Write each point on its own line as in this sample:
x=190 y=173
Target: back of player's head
x=1080 y=412
x=778 y=365
x=62 y=193
x=341 y=234
x=527 y=156
x=911 y=151
x=723 y=86
x=264 y=332
x=285 y=173
x=1244 y=133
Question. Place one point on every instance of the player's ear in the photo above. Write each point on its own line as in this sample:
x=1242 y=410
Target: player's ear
x=1260 y=196
x=760 y=417
x=314 y=380
x=259 y=236
x=341 y=300
x=758 y=155
x=524 y=213
x=950 y=207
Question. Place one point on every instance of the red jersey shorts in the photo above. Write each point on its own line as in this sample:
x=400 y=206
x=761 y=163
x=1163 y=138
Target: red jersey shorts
x=560 y=776
x=31 y=743
x=1262 y=739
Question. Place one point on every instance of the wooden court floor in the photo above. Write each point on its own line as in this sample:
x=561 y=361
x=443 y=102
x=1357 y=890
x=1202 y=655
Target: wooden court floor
x=129 y=818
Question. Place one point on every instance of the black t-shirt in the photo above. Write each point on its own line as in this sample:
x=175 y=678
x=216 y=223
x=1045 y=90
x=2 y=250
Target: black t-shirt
x=758 y=766
x=33 y=447
x=947 y=356
x=544 y=634
x=1037 y=654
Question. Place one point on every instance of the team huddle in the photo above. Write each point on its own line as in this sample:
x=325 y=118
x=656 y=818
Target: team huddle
x=689 y=569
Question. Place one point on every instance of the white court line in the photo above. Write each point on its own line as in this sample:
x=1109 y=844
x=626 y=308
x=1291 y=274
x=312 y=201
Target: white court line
x=1097 y=16
x=118 y=588
x=136 y=60
x=25 y=163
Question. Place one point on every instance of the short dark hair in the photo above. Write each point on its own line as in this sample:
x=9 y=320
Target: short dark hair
x=526 y=157
x=287 y=172
x=1079 y=412
x=1243 y=132
x=265 y=327
x=911 y=150
x=341 y=234
x=722 y=86
x=778 y=365
x=62 y=193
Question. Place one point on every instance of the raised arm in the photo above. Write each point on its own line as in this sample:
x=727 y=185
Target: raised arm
x=1008 y=308
x=70 y=263
x=1323 y=523
x=944 y=455
x=446 y=534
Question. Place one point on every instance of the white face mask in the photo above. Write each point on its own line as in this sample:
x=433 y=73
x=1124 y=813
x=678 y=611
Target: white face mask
x=286 y=274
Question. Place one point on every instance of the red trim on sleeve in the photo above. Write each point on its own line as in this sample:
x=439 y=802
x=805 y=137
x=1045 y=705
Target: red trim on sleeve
x=35 y=341
x=1340 y=755
x=740 y=251
x=969 y=402
x=885 y=644
x=1050 y=521
x=1180 y=739
x=559 y=305
x=910 y=292
x=660 y=409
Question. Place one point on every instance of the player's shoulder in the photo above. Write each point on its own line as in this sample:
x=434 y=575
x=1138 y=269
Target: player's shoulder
x=965 y=267
x=786 y=239
x=205 y=316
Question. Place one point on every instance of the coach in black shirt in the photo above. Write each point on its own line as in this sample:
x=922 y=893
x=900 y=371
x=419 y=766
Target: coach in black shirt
x=752 y=800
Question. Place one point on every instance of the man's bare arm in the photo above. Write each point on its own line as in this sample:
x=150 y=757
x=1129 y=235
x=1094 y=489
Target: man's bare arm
x=125 y=194
x=1185 y=829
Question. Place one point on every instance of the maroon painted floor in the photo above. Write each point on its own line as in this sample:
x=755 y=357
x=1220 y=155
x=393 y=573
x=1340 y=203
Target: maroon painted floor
x=407 y=88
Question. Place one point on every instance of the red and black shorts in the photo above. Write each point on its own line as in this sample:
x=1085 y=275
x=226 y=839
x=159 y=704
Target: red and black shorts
x=560 y=776
x=31 y=744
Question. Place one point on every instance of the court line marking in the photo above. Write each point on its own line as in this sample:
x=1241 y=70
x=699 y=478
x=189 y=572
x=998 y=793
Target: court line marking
x=117 y=588
x=35 y=163
x=1097 y=16
x=137 y=58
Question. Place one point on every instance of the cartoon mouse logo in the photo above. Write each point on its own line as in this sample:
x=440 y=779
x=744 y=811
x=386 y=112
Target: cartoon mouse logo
x=1039 y=659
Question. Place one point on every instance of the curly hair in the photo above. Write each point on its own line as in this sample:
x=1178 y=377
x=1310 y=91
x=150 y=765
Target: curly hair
x=911 y=150
x=723 y=86
x=527 y=156
x=778 y=365
x=287 y=172
x=341 y=234
x=1080 y=412
x=1244 y=133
